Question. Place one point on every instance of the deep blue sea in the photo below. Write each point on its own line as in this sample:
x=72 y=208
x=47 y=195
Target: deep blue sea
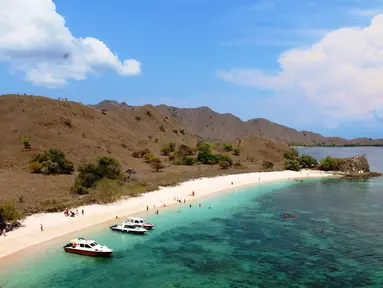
x=242 y=241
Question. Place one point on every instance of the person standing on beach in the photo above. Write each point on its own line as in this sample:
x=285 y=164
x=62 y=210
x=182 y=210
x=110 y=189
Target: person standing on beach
x=147 y=208
x=82 y=212
x=4 y=232
x=41 y=227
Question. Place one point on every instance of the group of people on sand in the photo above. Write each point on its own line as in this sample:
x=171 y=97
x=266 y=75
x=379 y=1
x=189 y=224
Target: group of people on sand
x=72 y=213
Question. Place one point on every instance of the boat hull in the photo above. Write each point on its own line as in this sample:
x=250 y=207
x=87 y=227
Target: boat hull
x=125 y=231
x=148 y=227
x=88 y=253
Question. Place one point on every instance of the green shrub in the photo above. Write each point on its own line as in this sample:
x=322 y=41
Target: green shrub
x=225 y=158
x=26 y=142
x=90 y=174
x=224 y=164
x=182 y=131
x=236 y=151
x=8 y=212
x=307 y=161
x=292 y=165
x=52 y=161
x=168 y=148
x=239 y=165
x=207 y=158
x=149 y=158
x=188 y=161
x=330 y=164
x=35 y=167
x=138 y=118
x=81 y=190
x=291 y=155
x=205 y=147
x=141 y=153
x=109 y=167
x=267 y=165
x=228 y=147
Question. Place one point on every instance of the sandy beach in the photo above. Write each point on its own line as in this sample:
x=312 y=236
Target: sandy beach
x=56 y=224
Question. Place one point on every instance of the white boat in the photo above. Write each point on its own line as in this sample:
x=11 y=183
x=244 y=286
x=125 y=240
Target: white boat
x=139 y=222
x=87 y=247
x=128 y=228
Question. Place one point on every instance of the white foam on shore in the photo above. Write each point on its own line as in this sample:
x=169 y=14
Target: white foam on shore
x=56 y=224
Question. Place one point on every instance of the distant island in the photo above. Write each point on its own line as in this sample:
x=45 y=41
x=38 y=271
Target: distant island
x=300 y=145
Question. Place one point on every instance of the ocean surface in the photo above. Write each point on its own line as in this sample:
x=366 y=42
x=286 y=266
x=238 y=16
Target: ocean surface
x=336 y=240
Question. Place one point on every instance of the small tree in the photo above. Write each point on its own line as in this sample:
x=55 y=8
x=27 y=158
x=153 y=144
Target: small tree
x=236 y=151
x=224 y=164
x=225 y=158
x=307 y=161
x=109 y=167
x=8 y=213
x=149 y=158
x=26 y=142
x=207 y=158
x=188 y=161
x=228 y=147
x=157 y=165
x=292 y=165
x=330 y=164
x=292 y=154
x=168 y=148
x=52 y=161
x=205 y=147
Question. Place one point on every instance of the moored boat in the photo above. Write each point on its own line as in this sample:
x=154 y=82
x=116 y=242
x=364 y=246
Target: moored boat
x=139 y=222
x=128 y=228
x=83 y=246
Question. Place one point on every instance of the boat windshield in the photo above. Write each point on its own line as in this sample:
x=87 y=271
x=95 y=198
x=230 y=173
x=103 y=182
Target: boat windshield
x=92 y=244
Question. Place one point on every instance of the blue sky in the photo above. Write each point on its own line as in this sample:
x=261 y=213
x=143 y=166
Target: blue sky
x=232 y=56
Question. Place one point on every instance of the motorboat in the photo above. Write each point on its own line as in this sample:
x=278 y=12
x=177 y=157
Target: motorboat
x=128 y=228
x=139 y=222
x=83 y=246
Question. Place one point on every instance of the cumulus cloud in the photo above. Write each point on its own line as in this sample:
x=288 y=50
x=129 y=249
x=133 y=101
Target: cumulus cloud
x=35 y=41
x=341 y=75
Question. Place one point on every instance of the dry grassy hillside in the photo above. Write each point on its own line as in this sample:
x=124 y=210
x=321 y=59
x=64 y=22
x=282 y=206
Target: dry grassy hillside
x=210 y=124
x=85 y=133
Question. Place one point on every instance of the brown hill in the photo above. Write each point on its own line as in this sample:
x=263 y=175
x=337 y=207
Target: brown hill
x=85 y=133
x=210 y=124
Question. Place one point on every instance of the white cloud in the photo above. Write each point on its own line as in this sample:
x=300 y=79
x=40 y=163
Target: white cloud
x=35 y=41
x=341 y=75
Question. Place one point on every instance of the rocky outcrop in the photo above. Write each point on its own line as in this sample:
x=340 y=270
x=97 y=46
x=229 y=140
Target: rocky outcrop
x=356 y=165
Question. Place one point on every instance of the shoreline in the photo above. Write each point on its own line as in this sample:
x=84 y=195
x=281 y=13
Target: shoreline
x=57 y=225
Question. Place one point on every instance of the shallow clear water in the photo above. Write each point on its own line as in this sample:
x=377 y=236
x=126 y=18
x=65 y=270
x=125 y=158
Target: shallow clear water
x=242 y=241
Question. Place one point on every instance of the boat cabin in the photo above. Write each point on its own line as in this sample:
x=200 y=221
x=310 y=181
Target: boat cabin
x=135 y=220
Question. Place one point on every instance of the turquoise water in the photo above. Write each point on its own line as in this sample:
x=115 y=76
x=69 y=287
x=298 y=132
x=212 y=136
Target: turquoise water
x=242 y=241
